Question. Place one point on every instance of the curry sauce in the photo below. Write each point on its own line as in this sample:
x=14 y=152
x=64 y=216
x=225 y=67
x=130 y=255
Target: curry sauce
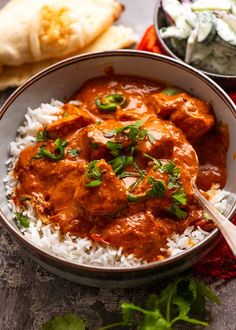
x=117 y=165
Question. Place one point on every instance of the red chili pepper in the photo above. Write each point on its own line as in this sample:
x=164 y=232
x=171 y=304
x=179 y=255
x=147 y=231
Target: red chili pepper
x=219 y=263
x=233 y=96
x=150 y=42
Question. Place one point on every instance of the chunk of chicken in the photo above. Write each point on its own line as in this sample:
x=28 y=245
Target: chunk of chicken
x=158 y=191
x=94 y=142
x=70 y=122
x=164 y=105
x=140 y=234
x=107 y=199
x=160 y=199
x=192 y=115
x=159 y=141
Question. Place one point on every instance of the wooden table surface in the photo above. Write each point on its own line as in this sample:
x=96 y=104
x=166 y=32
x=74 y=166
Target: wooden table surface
x=29 y=295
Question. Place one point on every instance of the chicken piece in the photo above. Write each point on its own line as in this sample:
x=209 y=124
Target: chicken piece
x=70 y=123
x=93 y=141
x=159 y=198
x=164 y=104
x=159 y=141
x=194 y=117
x=106 y=199
x=158 y=186
x=140 y=234
x=136 y=109
x=183 y=155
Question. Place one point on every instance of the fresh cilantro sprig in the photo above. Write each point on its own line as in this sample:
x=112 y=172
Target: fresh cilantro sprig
x=68 y=321
x=176 y=303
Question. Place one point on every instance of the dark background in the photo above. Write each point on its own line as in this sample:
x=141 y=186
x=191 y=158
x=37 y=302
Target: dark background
x=30 y=295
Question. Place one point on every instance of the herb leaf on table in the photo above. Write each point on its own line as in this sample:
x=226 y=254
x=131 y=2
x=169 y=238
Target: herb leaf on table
x=68 y=321
x=176 y=303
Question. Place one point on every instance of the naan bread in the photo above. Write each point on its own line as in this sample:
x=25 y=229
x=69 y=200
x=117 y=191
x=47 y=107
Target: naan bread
x=114 y=37
x=36 y=30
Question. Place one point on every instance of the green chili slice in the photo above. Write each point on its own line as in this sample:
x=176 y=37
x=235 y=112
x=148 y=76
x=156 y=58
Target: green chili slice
x=110 y=102
x=59 y=151
x=170 y=90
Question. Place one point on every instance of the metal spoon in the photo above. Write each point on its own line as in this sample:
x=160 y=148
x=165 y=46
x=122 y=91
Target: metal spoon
x=227 y=228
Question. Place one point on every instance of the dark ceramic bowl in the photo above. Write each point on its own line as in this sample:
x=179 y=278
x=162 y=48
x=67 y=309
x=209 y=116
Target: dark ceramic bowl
x=62 y=80
x=225 y=81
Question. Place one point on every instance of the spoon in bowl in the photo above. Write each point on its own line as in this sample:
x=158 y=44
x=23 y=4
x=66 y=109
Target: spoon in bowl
x=226 y=227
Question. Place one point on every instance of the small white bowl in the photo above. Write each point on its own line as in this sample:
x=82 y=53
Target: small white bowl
x=228 y=82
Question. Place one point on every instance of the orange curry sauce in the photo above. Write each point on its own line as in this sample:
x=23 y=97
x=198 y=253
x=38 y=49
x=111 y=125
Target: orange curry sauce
x=118 y=170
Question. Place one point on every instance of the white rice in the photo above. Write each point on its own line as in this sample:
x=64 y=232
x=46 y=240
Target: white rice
x=83 y=250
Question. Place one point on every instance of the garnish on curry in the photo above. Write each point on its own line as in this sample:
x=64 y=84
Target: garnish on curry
x=117 y=166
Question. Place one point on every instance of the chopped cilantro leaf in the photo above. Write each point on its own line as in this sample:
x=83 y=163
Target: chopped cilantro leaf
x=169 y=90
x=128 y=175
x=93 y=171
x=93 y=174
x=135 y=198
x=94 y=183
x=23 y=219
x=158 y=188
x=131 y=130
x=134 y=185
x=157 y=162
x=42 y=136
x=173 y=183
x=114 y=147
x=180 y=197
x=176 y=210
x=170 y=168
x=74 y=152
x=119 y=163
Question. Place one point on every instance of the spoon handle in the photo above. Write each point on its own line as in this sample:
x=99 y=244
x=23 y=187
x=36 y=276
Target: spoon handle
x=227 y=228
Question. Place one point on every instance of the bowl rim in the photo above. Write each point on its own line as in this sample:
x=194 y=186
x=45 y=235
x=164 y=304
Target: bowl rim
x=105 y=269
x=170 y=53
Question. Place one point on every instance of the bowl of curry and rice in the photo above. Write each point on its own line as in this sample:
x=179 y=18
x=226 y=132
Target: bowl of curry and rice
x=98 y=153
